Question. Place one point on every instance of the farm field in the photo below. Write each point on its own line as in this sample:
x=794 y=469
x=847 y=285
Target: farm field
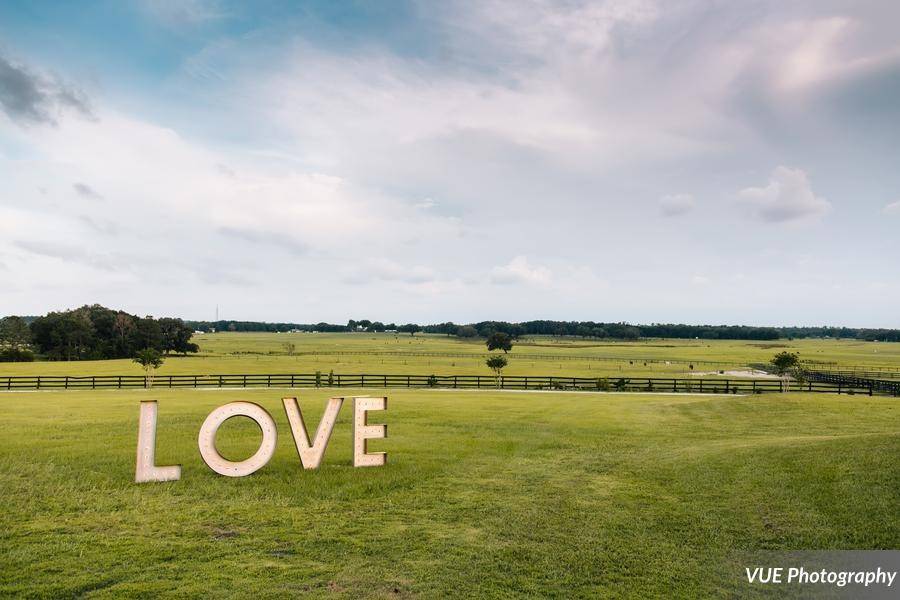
x=486 y=494
x=427 y=354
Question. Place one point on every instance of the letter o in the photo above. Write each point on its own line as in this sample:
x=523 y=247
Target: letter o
x=207 y=439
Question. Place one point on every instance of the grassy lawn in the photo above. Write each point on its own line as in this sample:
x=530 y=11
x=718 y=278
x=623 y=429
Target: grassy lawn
x=484 y=494
x=388 y=353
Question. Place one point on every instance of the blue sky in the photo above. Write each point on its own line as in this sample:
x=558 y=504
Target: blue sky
x=701 y=162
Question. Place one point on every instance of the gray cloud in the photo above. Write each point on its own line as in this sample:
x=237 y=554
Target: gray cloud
x=675 y=205
x=283 y=241
x=382 y=269
x=27 y=97
x=67 y=253
x=100 y=225
x=86 y=191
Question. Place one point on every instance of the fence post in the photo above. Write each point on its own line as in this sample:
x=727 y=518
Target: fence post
x=66 y=384
x=39 y=382
x=93 y=382
x=870 y=388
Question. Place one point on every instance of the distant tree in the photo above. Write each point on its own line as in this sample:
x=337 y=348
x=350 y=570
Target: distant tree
x=496 y=363
x=148 y=334
x=176 y=336
x=785 y=361
x=122 y=328
x=377 y=326
x=499 y=341
x=466 y=331
x=14 y=333
x=447 y=328
x=150 y=359
x=410 y=328
x=68 y=335
x=290 y=348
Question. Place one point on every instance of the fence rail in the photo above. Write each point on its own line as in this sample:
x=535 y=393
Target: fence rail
x=509 y=382
x=884 y=386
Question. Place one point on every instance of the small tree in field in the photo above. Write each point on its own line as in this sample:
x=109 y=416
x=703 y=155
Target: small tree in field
x=496 y=363
x=499 y=341
x=290 y=348
x=785 y=361
x=410 y=328
x=150 y=359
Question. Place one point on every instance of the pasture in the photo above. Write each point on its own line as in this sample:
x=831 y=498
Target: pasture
x=485 y=494
x=427 y=354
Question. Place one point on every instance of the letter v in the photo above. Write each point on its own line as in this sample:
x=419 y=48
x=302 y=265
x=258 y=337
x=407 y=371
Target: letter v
x=311 y=455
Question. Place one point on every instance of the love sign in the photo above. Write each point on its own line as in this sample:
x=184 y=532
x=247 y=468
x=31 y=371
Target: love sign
x=310 y=453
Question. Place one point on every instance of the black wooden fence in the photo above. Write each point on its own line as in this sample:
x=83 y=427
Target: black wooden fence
x=508 y=382
x=840 y=379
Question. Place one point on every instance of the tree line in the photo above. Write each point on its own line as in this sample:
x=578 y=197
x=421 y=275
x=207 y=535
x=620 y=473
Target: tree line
x=585 y=329
x=91 y=333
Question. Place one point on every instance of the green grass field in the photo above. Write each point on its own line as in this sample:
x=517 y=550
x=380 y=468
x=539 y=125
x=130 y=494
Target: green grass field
x=265 y=353
x=485 y=494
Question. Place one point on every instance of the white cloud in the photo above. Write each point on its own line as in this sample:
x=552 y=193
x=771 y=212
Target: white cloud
x=425 y=204
x=675 y=205
x=787 y=197
x=519 y=270
x=892 y=209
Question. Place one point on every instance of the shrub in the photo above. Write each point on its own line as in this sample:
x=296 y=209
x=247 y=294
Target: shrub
x=16 y=355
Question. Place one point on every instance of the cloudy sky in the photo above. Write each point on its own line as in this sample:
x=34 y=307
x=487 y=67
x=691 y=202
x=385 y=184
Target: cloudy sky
x=701 y=162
